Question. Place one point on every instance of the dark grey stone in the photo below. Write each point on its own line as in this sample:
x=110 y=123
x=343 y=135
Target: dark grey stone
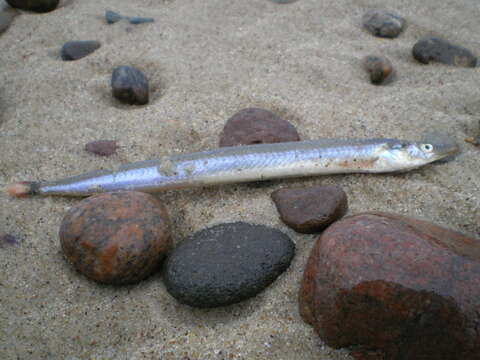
x=379 y=68
x=226 y=264
x=130 y=85
x=435 y=49
x=383 y=23
x=7 y=15
x=112 y=17
x=40 y=6
x=74 y=50
x=139 y=20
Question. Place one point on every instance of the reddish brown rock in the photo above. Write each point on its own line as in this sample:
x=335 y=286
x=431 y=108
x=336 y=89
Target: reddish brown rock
x=310 y=210
x=102 y=147
x=379 y=68
x=257 y=126
x=116 y=238
x=393 y=287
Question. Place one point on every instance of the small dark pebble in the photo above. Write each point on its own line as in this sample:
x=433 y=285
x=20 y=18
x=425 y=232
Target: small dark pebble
x=383 y=23
x=118 y=237
x=379 y=68
x=256 y=126
x=310 y=210
x=74 y=50
x=7 y=240
x=112 y=17
x=40 y=6
x=102 y=147
x=130 y=85
x=438 y=50
x=7 y=14
x=226 y=264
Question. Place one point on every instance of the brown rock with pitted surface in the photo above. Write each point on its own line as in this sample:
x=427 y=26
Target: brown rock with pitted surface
x=379 y=68
x=116 y=238
x=310 y=210
x=257 y=126
x=394 y=287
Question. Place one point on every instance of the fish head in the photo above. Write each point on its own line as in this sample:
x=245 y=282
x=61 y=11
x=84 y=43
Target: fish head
x=405 y=155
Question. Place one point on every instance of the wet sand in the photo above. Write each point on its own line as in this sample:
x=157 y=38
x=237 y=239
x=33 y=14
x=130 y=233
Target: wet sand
x=206 y=60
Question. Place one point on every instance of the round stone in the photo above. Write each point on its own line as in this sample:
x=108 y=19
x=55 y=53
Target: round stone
x=116 y=238
x=226 y=264
x=379 y=68
x=433 y=49
x=74 y=50
x=130 y=85
x=383 y=23
x=257 y=126
x=40 y=6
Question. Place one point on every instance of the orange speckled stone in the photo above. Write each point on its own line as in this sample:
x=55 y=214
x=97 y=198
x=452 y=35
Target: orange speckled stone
x=116 y=238
x=388 y=286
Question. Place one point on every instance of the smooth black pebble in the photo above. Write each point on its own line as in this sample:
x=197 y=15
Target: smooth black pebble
x=383 y=23
x=74 y=50
x=130 y=85
x=226 y=264
x=39 y=6
x=435 y=49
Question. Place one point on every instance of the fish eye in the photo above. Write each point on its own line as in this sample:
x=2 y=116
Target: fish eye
x=427 y=147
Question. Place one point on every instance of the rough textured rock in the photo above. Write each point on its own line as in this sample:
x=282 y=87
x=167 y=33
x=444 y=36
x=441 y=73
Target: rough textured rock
x=394 y=287
x=112 y=17
x=433 y=49
x=116 y=238
x=7 y=14
x=102 y=147
x=383 y=23
x=379 y=68
x=130 y=85
x=310 y=210
x=257 y=126
x=226 y=264
x=74 y=50
x=40 y=6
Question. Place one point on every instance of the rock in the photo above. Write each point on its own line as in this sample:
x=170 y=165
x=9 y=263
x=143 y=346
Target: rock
x=74 y=50
x=40 y=6
x=102 y=147
x=112 y=17
x=256 y=126
x=310 y=210
x=7 y=240
x=130 y=85
x=434 y=49
x=7 y=14
x=226 y=264
x=395 y=286
x=116 y=238
x=383 y=23
x=379 y=68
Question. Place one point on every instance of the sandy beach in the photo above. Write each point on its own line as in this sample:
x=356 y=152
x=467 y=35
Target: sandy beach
x=205 y=61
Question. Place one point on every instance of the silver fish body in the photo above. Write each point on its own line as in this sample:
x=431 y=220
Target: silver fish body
x=252 y=163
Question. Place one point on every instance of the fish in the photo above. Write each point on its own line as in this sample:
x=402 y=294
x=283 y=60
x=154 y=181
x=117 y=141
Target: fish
x=238 y=164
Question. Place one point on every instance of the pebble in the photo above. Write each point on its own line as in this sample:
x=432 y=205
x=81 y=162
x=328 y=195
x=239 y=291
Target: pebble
x=7 y=240
x=112 y=17
x=383 y=23
x=74 y=50
x=256 y=126
x=399 y=286
x=7 y=14
x=40 y=6
x=130 y=85
x=310 y=210
x=435 y=49
x=116 y=238
x=226 y=264
x=102 y=147
x=379 y=68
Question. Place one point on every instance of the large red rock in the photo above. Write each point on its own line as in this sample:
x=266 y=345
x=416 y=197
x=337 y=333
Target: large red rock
x=392 y=287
